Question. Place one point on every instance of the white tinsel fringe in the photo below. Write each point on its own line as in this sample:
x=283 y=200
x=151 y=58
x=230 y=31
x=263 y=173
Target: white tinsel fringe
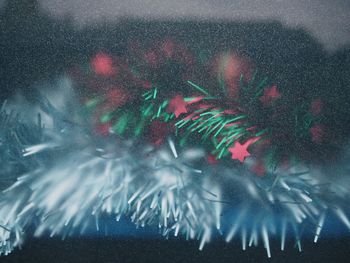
x=149 y=186
x=173 y=189
x=80 y=179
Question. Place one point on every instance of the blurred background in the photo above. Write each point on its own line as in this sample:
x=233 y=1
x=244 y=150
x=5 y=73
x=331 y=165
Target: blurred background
x=293 y=42
x=303 y=46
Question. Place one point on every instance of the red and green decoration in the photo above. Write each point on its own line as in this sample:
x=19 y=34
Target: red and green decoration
x=148 y=95
x=249 y=126
x=112 y=86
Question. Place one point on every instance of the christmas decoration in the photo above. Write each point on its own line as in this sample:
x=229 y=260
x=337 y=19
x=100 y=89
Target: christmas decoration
x=228 y=68
x=102 y=64
x=153 y=144
x=239 y=151
x=270 y=94
x=177 y=106
x=172 y=187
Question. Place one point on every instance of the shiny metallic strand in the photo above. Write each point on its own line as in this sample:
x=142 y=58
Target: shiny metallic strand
x=164 y=187
x=15 y=135
x=151 y=187
x=79 y=179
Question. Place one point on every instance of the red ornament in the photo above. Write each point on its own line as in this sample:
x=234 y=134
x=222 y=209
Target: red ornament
x=102 y=64
x=229 y=67
x=317 y=133
x=211 y=159
x=259 y=168
x=117 y=97
x=270 y=94
x=177 y=106
x=103 y=129
x=158 y=131
x=239 y=151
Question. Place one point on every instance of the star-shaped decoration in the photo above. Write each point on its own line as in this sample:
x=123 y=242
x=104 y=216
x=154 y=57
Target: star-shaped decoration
x=177 y=105
x=240 y=151
x=270 y=94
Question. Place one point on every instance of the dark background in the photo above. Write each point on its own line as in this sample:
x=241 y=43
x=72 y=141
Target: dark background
x=35 y=46
x=110 y=250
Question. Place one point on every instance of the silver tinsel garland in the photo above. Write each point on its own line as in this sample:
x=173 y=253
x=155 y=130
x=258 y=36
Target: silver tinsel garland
x=70 y=180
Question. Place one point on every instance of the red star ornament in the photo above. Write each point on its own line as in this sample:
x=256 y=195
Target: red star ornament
x=270 y=94
x=239 y=151
x=177 y=106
